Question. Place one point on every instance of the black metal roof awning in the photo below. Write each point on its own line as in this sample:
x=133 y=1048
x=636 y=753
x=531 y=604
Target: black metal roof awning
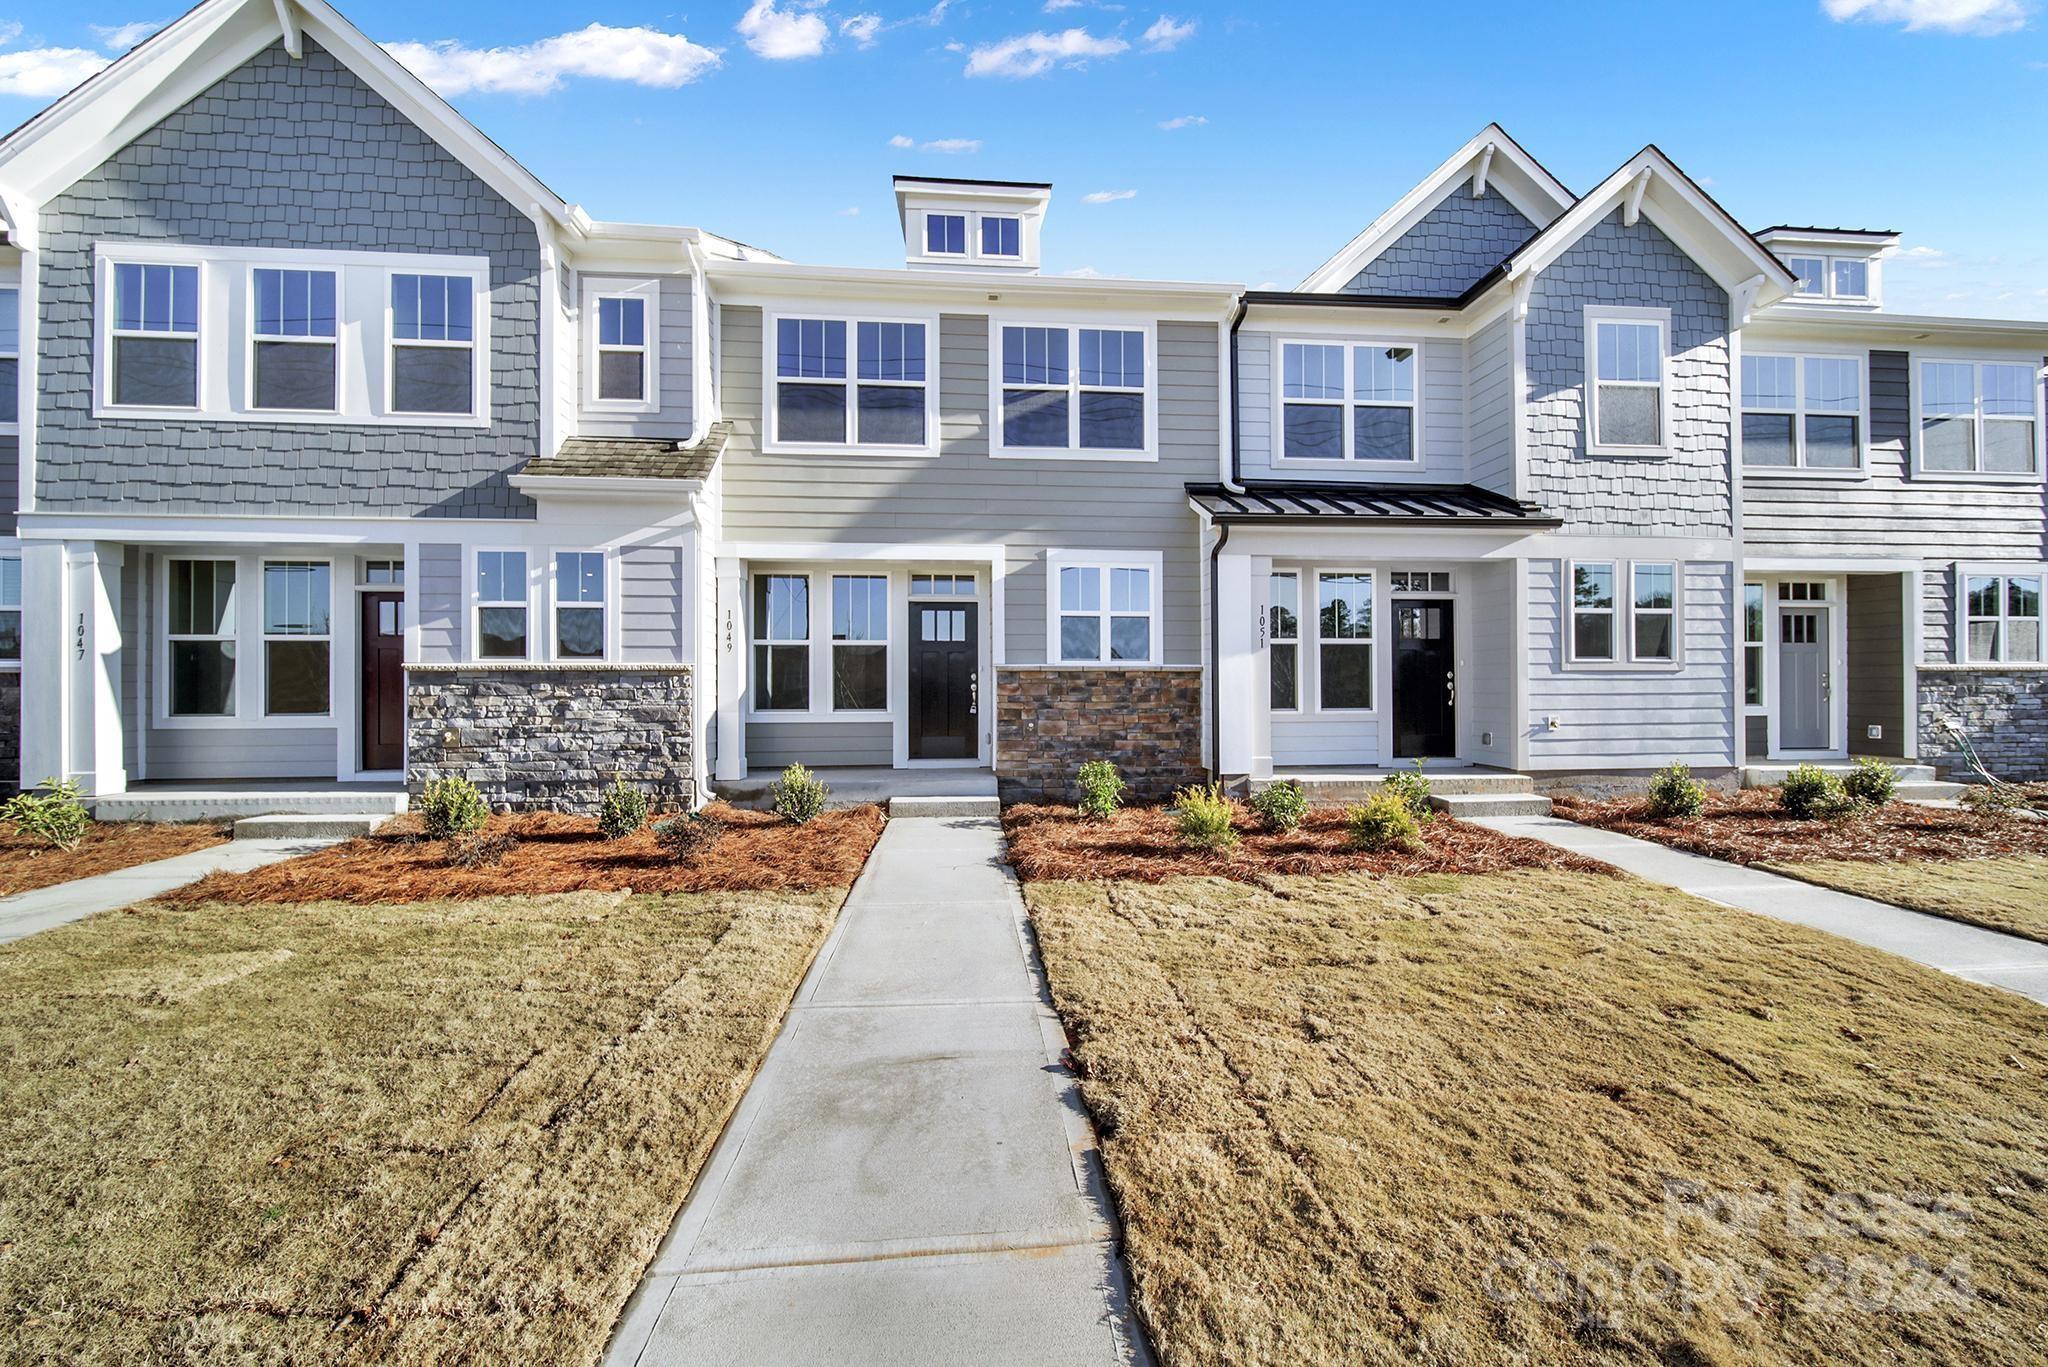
x=1386 y=505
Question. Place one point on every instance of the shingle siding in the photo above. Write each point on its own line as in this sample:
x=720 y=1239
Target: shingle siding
x=1687 y=492
x=293 y=154
x=1448 y=249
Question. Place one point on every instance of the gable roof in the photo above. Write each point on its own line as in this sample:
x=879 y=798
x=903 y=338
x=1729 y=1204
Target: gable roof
x=1507 y=169
x=110 y=109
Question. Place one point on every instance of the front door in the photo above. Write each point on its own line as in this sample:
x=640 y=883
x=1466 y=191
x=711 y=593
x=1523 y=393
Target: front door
x=383 y=655
x=1425 y=680
x=945 y=684
x=1803 y=686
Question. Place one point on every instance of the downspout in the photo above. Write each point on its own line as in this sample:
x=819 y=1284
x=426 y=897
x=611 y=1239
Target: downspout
x=1231 y=479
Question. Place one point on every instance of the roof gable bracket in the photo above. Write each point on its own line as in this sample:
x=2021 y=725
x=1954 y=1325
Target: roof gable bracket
x=294 y=37
x=1479 y=176
x=1632 y=209
x=1742 y=301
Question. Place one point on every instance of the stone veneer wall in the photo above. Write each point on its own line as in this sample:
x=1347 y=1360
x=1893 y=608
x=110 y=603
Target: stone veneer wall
x=1051 y=721
x=2005 y=716
x=552 y=735
x=10 y=730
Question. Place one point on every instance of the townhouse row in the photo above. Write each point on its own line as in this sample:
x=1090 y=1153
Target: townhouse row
x=347 y=452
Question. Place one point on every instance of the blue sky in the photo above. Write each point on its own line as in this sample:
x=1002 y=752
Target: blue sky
x=1225 y=141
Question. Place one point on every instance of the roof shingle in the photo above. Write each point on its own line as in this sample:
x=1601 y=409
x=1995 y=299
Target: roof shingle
x=633 y=457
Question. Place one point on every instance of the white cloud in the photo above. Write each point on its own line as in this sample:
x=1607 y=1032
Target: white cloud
x=1980 y=17
x=1925 y=258
x=1167 y=33
x=1184 y=121
x=121 y=37
x=1034 y=54
x=850 y=211
x=862 y=28
x=1107 y=196
x=940 y=145
x=44 y=72
x=1083 y=273
x=782 y=35
x=899 y=141
x=1055 y=6
x=642 y=56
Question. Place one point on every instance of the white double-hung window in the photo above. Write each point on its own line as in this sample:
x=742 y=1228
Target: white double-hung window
x=154 y=340
x=1344 y=640
x=579 y=605
x=1078 y=391
x=200 y=619
x=1803 y=413
x=1349 y=401
x=294 y=361
x=1979 y=418
x=2003 y=617
x=297 y=637
x=1622 y=612
x=875 y=394
x=1283 y=641
x=1628 y=411
x=623 y=347
x=1105 y=608
x=782 y=642
x=501 y=605
x=433 y=344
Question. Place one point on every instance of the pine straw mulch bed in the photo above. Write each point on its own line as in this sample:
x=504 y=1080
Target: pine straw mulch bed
x=1748 y=828
x=758 y=852
x=1140 y=844
x=29 y=862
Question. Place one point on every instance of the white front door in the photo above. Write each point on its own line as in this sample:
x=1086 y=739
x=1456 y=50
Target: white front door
x=1805 y=691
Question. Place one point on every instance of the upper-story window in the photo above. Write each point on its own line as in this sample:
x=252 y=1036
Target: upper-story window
x=1348 y=402
x=433 y=344
x=1628 y=399
x=621 y=348
x=879 y=397
x=1831 y=277
x=1802 y=412
x=155 y=336
x=10 y=358
x=1074 y=390
x=1979 y=419
x=1001 y=235
x=293 y=353
x=945 y=234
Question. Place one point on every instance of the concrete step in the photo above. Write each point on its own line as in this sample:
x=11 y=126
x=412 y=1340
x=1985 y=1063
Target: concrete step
x=326 y=826
x=200 y=804
x=1930 y=791
x=1355 y=787
x=1771 y=775
x=944 y=806
x=1490 y=804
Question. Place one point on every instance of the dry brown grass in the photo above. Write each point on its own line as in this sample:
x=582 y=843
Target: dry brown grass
x=758 y=851
x=438 y=1133
x=1140 y=844
x=1999 y=894
x=1341 y=1124
x=1747 y=828
x=28 y=863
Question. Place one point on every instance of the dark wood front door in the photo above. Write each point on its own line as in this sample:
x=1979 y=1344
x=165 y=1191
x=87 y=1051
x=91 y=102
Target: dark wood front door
x=944 y=682
x=1425 y=680
x=383 y=700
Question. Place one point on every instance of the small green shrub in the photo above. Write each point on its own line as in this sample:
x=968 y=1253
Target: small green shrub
x=1676 y=795
x=1413 y=791
x=1872 y=782
x=1282 y=806
x=1382 y=822
x=1810 y=793
x=1102 y=789
x=1203 y=816
x=799 y=795
x=56 y=814
x=452 y=807
x=622 y=810
x=688 y=835
x=481 y=850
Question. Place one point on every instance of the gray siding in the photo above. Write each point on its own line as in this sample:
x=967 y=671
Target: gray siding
x=1442 y=417
x=295 y=154
x=1490 y=400
x=1485 y=696
x=1309 y=741
x=964 y=495
x=1688 y=491
x=10 y=483
x=1876 y=651
x=673 y=365
x=1757 y=730
x=778 y=744
x=1448 y=249
x=437 y=602
x=651 y=586
x=1629 y=719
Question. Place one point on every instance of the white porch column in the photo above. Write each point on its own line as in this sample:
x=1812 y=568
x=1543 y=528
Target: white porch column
x=1239 y=671
x=71 y=665
x=45 y=698
x=731 y=668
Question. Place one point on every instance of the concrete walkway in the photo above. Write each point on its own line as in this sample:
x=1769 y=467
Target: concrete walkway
x=25 y=913
x=910 y=1179
x=1983 y=956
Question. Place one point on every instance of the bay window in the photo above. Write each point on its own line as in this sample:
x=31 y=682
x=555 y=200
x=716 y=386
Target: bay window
x=1283 y=641
x=1802 y=412
x=1626 y=391
x=782 y=643
x=579 y=605
x=2003 y=618
x=1344 y=641
x=860 y=642
x=154 y=340
x=1073 y=389
x=1979 y=418
x=293 y=361
x=1348 y=402
x=297 y=612
x=501 y=611
x=1104 y=612
x=200 y=628
x=433 y=344
x=884 y=402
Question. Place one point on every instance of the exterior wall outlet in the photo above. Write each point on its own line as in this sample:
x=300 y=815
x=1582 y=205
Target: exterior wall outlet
x=1553 y=723
x=1486 y=737
x=1873 y=732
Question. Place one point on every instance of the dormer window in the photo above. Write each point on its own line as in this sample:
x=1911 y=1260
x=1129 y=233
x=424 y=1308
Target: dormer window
x=1001 y=235
x=1822 y=278
x=945 y=234
x=1851 y=278
x=1813 y=274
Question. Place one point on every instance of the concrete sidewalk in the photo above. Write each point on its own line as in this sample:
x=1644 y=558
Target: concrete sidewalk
x=910 y=1179
x=1983 y=956
x=25 y=913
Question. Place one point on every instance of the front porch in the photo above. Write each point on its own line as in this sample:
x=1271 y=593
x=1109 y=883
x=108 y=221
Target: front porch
x=1829 y=667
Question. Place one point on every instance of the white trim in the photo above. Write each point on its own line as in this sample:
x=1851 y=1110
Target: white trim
x=1660 y=319
x=1799 y=412
x=1916 y=445
x=1962 y=617
x=998 y=446
x=771 y=413
x=1347 y=404
x=1153 y=562
x=646 y=292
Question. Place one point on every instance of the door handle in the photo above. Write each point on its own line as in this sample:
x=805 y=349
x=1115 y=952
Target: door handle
x=1451 y=685
x=973 y=695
